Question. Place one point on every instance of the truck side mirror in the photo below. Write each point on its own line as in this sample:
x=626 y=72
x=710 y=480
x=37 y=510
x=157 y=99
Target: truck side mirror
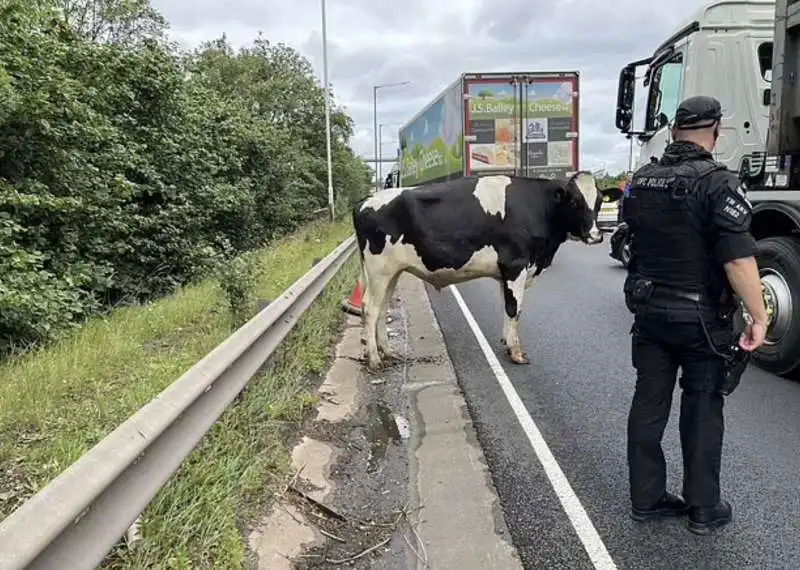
x=625 y=95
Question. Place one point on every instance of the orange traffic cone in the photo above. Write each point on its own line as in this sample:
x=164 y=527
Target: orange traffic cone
x=354 y=304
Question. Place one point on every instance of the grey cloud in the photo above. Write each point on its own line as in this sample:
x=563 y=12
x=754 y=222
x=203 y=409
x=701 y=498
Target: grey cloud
x=431 y=72
x=189 y=14
x=430 y=66
x=508 y=20
x=596 y=37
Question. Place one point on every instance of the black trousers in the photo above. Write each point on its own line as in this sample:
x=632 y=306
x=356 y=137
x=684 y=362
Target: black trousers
x=659 y=349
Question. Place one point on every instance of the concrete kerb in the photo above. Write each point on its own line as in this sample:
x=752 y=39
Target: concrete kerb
x=461 y=526
x=459 y=521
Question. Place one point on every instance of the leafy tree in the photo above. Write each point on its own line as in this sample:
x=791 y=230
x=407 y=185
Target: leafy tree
x=129 y=167
x=606 y=180
x=113 y=21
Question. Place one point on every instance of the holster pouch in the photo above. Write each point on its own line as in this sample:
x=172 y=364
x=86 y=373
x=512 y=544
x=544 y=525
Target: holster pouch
x=727 y=306
x=736 y=363
x=637 y=292
x=734 y=368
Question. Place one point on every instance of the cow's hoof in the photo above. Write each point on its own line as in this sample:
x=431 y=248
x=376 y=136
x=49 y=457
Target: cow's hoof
x=518 y=357
x=390 y=355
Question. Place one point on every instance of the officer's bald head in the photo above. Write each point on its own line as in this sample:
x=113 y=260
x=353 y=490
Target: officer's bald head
x=697 y=120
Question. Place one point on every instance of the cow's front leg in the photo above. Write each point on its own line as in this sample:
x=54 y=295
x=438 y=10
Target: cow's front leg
x=506 y=320
x=513 y=295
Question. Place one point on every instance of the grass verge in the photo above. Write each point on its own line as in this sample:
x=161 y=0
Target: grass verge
x=55 y=404
x=198 y=519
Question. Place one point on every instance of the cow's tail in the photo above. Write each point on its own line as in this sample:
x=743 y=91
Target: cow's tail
x=360 y=242
x=363 y=271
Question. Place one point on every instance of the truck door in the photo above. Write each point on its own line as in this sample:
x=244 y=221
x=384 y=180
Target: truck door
x=549 y=125
x=522 y=124
x=491 y=124
x=729 y=60
x=756 y=62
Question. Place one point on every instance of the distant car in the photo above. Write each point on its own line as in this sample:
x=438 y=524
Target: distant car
x=608 y=216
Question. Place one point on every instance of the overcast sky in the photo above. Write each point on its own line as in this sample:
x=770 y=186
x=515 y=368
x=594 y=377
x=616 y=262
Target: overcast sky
x=430 y=42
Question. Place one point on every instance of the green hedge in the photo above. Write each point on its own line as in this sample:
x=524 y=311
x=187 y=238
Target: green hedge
x=129 y=167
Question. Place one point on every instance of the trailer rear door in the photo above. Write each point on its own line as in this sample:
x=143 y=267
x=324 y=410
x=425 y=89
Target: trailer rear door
x=521 y=123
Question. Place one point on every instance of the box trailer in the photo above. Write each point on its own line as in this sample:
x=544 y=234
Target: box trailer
x=494 y=123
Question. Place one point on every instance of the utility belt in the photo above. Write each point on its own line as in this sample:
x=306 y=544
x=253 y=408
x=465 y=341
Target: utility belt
x=645 y=298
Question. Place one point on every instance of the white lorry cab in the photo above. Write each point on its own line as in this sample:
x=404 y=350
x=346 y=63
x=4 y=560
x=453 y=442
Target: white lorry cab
x=746 y=53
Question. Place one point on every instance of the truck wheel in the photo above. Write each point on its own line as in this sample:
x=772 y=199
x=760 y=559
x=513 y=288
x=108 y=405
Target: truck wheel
x=779 y=267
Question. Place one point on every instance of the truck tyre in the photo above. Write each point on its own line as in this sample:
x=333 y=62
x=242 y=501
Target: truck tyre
x=779 y=267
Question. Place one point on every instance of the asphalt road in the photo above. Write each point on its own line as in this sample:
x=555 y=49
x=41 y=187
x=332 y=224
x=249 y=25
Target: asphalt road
x=577 y=390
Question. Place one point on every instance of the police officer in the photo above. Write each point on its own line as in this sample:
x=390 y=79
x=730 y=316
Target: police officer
x=626 y=189
x=691 y=245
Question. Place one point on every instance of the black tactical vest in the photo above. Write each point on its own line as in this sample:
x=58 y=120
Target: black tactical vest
x=666 y=213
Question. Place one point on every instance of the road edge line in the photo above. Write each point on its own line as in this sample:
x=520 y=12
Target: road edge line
x=585 y=529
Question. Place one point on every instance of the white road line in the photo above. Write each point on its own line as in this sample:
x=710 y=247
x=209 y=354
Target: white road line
x=583 y=526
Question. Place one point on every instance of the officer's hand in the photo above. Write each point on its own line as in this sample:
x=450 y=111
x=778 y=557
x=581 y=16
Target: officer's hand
x=753 y=336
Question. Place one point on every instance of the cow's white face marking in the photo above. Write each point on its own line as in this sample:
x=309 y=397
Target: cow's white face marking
x=586 y=184
x=383 y=197
x=491 y=193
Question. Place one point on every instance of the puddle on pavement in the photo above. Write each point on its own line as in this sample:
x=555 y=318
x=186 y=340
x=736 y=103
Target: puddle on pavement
x=383 y=427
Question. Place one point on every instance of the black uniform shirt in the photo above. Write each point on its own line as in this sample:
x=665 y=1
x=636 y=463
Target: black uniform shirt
x=667 y=250
x=729 y=226
x=731 y=213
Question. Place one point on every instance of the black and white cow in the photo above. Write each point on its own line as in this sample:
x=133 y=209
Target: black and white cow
x=505 y=227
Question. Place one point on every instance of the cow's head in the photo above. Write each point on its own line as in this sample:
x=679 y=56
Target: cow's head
x=577 y=205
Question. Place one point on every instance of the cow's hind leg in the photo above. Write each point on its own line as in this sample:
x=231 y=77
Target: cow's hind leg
x=364 y=299
x=382 y=332
x=513 y=296
x=377 y=286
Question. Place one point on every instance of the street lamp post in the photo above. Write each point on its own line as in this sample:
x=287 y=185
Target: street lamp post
x=375 y=120
x=380 y=146
x=327 y=111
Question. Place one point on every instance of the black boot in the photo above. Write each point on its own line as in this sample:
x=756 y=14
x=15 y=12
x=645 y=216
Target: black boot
x=668 y=506
x=702 y=520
